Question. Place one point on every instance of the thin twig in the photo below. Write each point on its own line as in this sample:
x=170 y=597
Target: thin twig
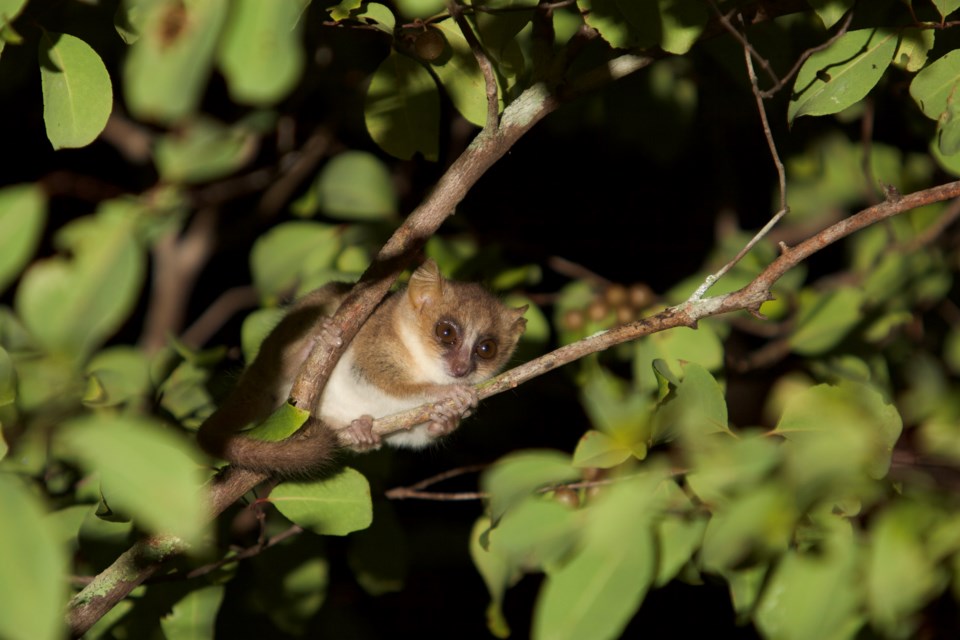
x=775 y=89
x=489 y=79
x=781 y=174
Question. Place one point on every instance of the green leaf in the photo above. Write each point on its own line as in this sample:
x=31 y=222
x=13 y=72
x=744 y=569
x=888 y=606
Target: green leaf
x=281 y=424
x=167 y=68
x=901 y=576
x=682 y=22
x=679 y=533
x=77 y=94
x=121 y=374
x=813 y=595
x=461 y=77
x=496 y=571
x=946 y=7
x=378 y=15
x=620 y=412
x=934 y=87
x=839 y=437
x=697 y=410
x=537 y=534
x=33 y=567
x=290 y=253
x=335 y=506
x=8 y=382
x=402 y=108
x=835 y=78
x=682 y=344
x=202 y=151
x=342 y=10
x=624 y=25
x=721 y=467
x=260 y=51
x=597 y=449
x=517 y=475
x=356 y=185
x=70 y=305
x=596 y=593
x=10 y=9
x=830 y=11
x=756 y=524
x=915 y=45
x=23 y=213
x=195 y=615
x=378 y=555
x=948 y=129
x=825 y=318
x=420 y=8
x=145 y=470
x=255 y=329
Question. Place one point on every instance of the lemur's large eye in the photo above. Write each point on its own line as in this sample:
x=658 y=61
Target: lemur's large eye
x=486 y=349
x=446 y=332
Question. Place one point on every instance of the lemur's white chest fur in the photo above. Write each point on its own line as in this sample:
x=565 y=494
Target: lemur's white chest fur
x=349 y=395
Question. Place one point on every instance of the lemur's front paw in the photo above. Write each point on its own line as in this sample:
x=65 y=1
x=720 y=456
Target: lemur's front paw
x=444 y=419
x=360 y=436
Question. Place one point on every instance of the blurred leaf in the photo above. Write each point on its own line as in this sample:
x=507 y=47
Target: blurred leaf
x=10 y=9
x=8 y=381
x=830 y=11
x=194 y=616
x=356 y=185
x=496 y=571
x=620 y=412
x=599 y=589
x=184 y=394
x=933 y=88
x=678 y=535
x=597 y=449
x=260 y=52
x=145 y=469
x=343 y=10
x=256 y=327
x=77 y=94
x=721 y=467
x=121 y=374
x=756 y=524
x=825 y=318
x=334 y=506
x=839 y=437
x=402 y=109
x=624 y=25
x=167 y=68
x=378 y=555
x=901 y=577
x=813 y=595
x=517 y=475
x=537 y=534
x=203 y=151
x=290 y=252
x=682 y=22
x=842 y=74
x=70 y=305
x=420 y=8
x=23 y=214
x=33 y=567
